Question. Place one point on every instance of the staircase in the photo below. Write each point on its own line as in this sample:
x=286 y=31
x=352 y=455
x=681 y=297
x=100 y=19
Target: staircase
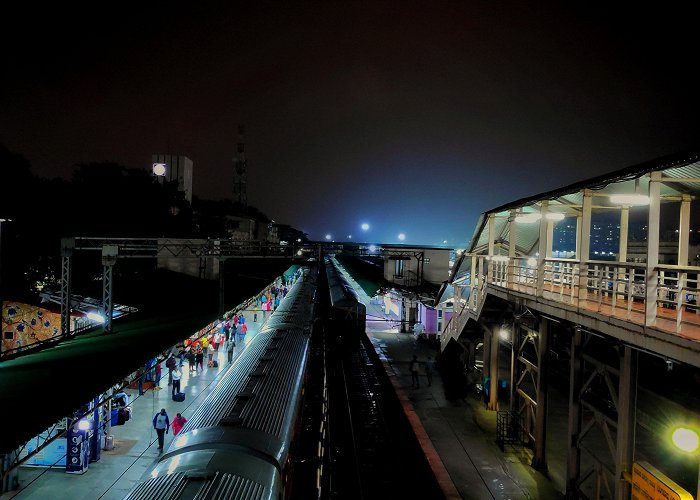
x=471 y=308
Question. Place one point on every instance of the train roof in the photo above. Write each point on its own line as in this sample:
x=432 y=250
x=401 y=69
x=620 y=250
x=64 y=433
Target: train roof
x=210 y=474
x=266 y=374
x=340 y=291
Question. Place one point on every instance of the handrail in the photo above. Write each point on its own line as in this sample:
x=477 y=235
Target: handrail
x=613 y=288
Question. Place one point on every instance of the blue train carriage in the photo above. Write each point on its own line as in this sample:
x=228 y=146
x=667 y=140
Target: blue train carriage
x=348 y=313
x=239 y=442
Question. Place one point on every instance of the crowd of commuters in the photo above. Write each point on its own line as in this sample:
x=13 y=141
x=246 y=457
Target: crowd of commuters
x=224 y=334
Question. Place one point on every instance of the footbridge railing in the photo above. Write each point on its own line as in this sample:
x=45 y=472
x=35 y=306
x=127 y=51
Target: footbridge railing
x=664 y=297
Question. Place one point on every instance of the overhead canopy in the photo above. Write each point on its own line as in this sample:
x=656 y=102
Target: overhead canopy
x=680 y=176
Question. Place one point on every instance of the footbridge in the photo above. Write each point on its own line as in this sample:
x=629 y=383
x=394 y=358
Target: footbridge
x=616 y=308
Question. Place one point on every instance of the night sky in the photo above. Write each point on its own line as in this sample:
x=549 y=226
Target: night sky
x=412 y=117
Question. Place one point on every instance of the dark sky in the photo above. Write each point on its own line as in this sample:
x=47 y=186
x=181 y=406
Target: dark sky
x=413 y=117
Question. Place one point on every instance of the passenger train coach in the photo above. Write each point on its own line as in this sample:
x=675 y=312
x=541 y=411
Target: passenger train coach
x=239 y=441
x=348 y=313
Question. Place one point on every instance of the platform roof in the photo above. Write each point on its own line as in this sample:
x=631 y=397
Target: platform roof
x=39 y=389
x=568 y=199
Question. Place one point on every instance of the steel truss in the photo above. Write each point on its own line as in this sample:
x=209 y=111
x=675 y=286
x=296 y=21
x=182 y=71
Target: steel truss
x=610 y=412
x=113 y=249
x=530 y=377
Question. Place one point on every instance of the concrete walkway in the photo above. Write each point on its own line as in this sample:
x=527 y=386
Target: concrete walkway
x=136 y=443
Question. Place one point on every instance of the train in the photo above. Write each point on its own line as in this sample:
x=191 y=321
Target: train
x=240 y=441
x=348 y=314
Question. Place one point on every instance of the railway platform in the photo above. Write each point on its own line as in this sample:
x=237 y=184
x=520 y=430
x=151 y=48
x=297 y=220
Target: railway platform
x=458 y=436
x=136 y=442
x=461 y=432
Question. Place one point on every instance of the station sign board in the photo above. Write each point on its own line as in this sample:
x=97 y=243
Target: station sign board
x=649 y=483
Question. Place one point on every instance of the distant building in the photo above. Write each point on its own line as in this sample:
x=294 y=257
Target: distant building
x=243 y=228
x=170 y=168
x=186 y=261
x=668 y=253
x=411 y=266
x=408 y=267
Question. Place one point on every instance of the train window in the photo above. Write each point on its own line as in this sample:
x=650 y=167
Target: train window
x=439 y=313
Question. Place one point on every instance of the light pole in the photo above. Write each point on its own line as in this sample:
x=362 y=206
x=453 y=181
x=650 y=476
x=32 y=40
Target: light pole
x=688 y=441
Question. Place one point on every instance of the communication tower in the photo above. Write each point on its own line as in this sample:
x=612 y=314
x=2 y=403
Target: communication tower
x=240 y=176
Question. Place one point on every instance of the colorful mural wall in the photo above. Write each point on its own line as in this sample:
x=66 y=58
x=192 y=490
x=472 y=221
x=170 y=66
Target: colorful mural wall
x=26 y=324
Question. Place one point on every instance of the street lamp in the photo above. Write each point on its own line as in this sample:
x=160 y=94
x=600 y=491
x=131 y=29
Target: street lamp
x=687 y=440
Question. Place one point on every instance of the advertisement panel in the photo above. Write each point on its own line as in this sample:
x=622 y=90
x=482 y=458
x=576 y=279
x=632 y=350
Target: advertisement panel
x=649 y=483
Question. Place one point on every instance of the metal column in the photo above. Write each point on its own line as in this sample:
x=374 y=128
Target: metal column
x=539 y=459
x=67 y=246
x=487 y=359
x=493 y=369
x=622 y=249
x=514 y=342
x=492 y=248
x=626 y=420
x=684 y=231
x=573 y=459
x=109 y=259
x=583 y=245
x=512 y=238
x=542 y=247
x=652 y=272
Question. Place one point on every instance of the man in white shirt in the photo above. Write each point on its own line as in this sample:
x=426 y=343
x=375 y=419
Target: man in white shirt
x=177 y=375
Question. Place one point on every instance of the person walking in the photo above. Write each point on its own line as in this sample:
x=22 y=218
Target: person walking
x=244 y=330
x=199 y=358
x=210 y=351
x=413 y=367
x=171 y=364
x=191 y=358
x=178 y=423
x=229 y=350
x=177 y=375
x=227 y=330
x=429 y=370
x=205 y=344
x=158 y=369
x=141 y=375
x=181 y=356
x=161 y=423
